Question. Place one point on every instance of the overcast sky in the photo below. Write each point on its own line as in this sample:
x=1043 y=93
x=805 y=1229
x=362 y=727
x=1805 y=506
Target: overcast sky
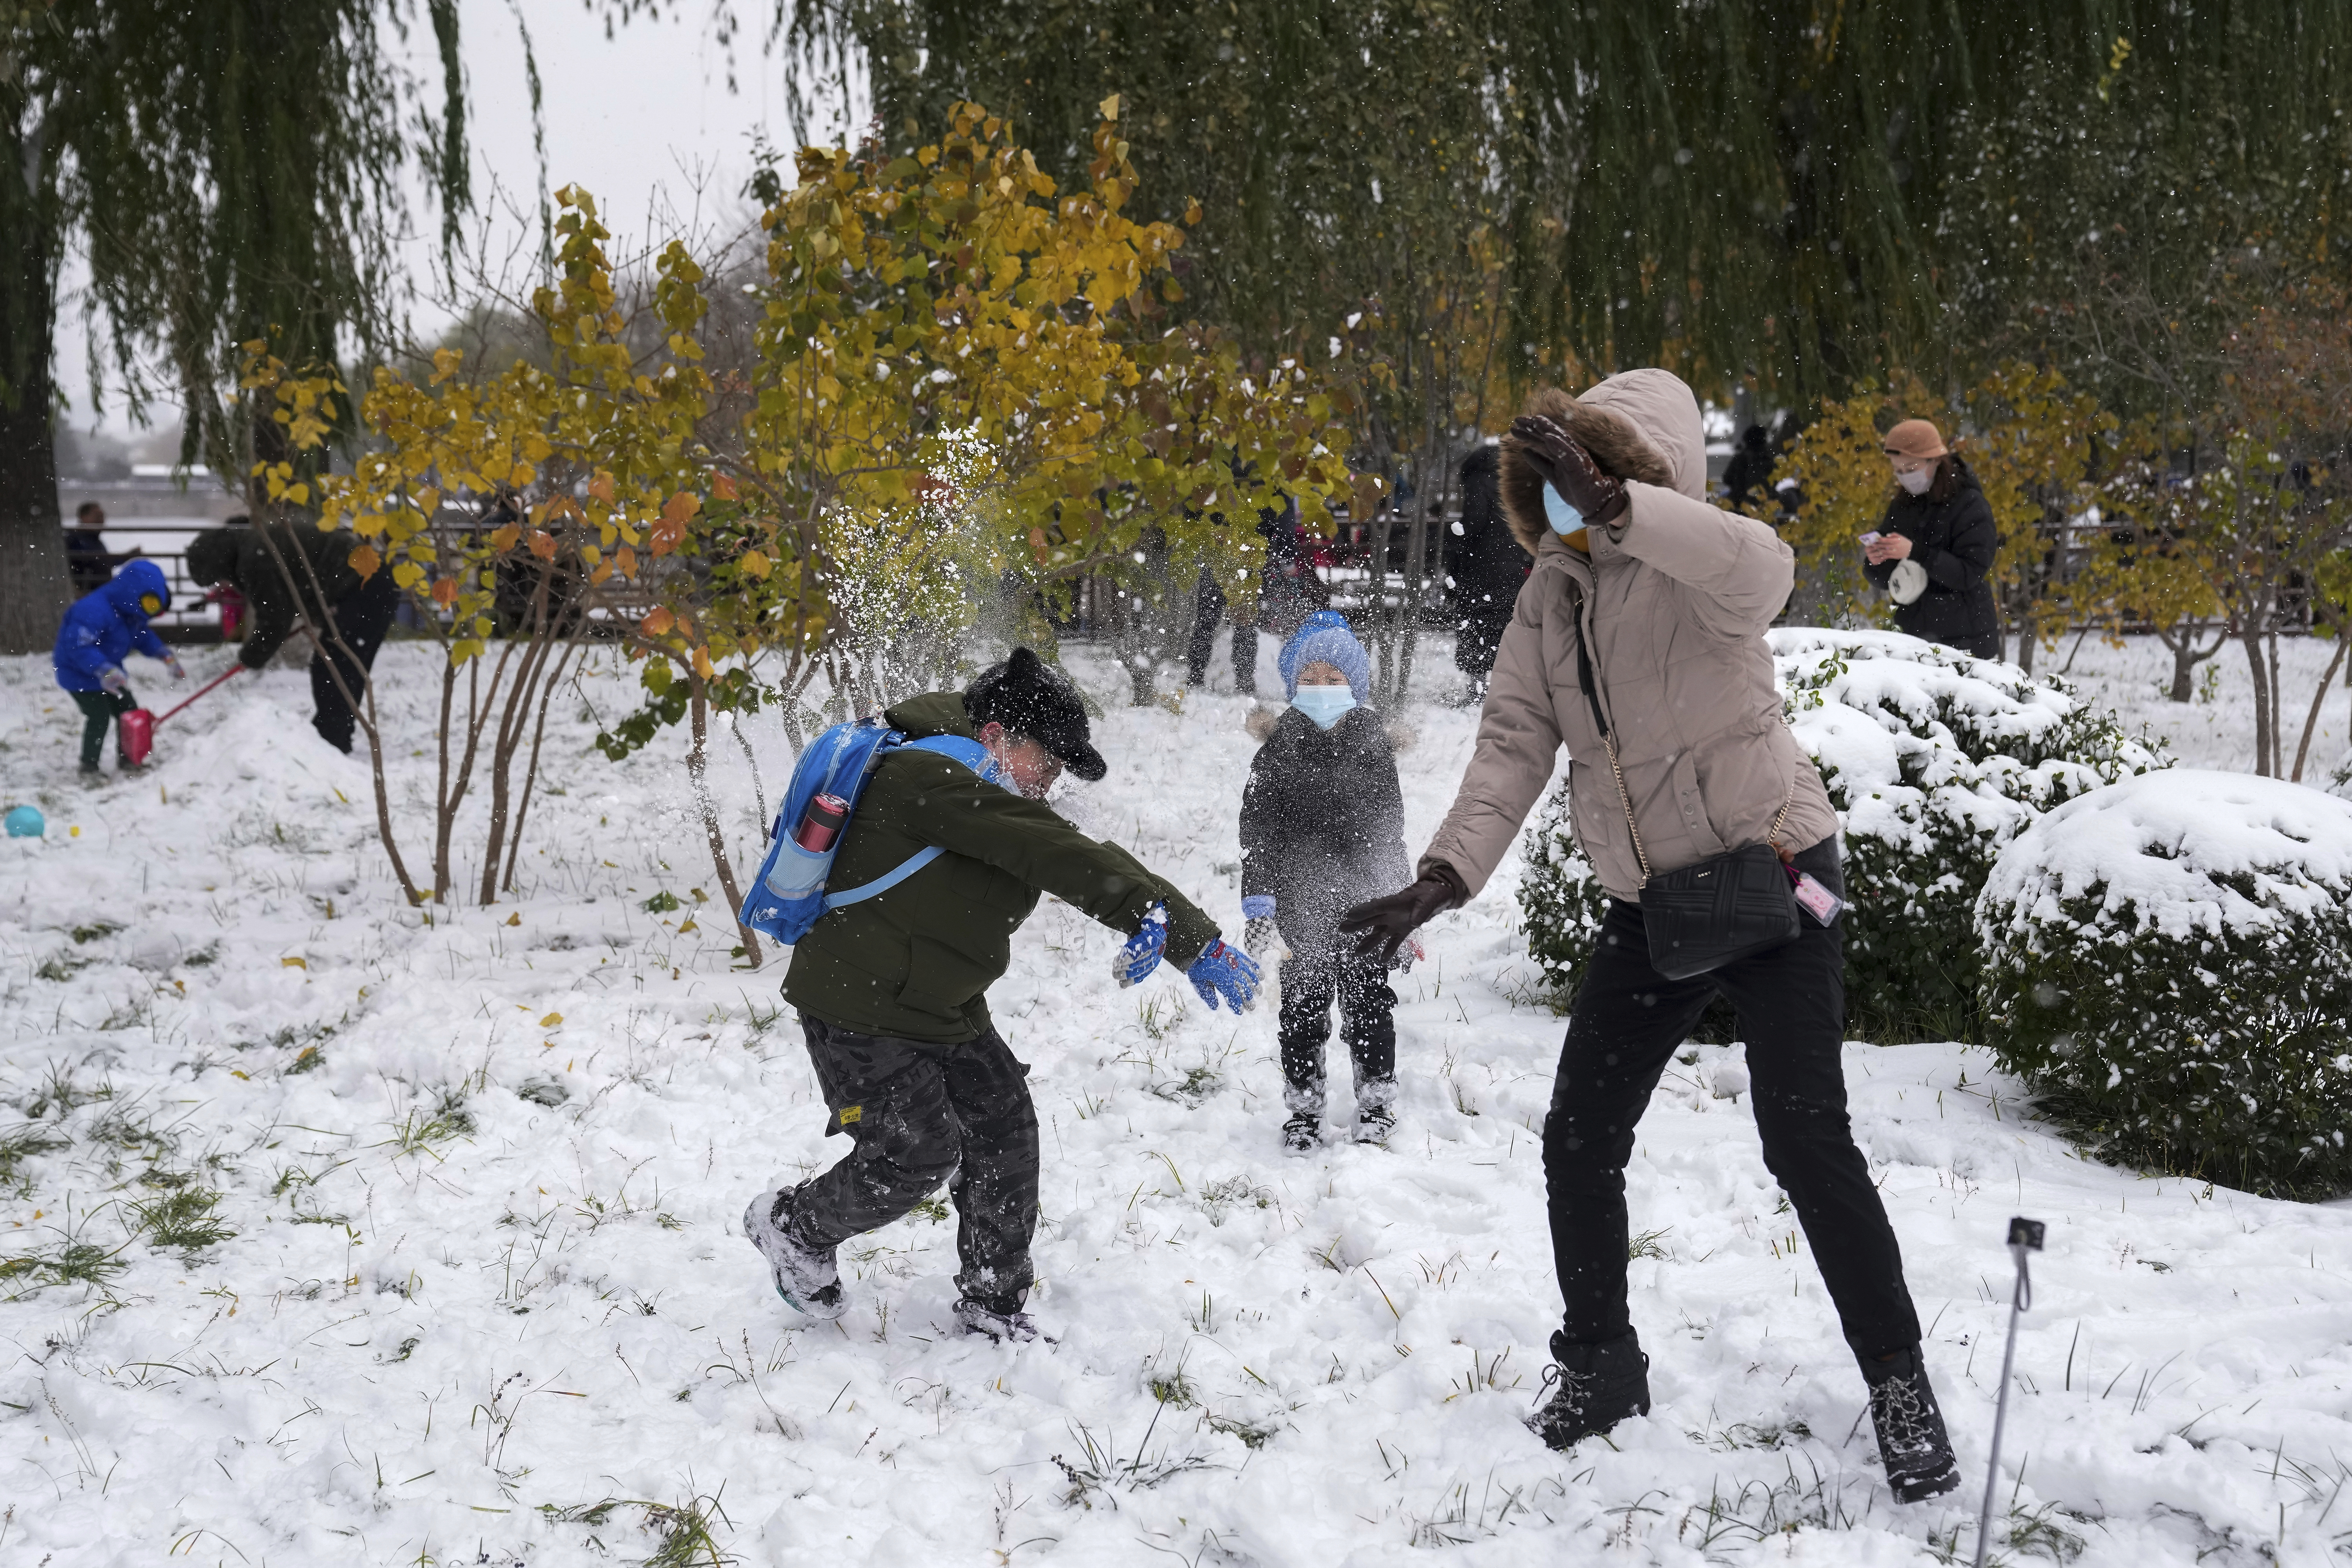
x=639 y=120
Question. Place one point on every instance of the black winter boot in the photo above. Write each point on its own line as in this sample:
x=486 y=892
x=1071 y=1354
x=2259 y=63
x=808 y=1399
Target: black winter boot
x=1912 y=1442
x=1598 y=1385
x=1302 y=1133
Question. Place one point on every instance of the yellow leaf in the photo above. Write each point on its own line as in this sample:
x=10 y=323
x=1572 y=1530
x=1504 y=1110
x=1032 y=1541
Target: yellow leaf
x=293 y=964
x=702 y=663
x=1110 y=107
x=408 y=574
x=755 y=564
x=364 y=560
x=551 y=1020
x=688 y=926
x=521 y=475
x=515 y=919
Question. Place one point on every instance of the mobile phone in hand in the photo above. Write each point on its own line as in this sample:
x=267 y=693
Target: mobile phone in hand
x=1873 y=537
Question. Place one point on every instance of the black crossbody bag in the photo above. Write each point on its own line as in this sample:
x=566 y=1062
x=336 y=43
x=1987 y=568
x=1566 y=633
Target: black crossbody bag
x=1726 y=907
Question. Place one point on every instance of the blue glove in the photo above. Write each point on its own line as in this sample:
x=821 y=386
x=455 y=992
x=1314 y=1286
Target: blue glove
x=1222 y=971
x=1140 y=956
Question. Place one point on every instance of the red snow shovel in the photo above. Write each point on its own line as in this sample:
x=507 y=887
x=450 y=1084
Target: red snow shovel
x=138 y=726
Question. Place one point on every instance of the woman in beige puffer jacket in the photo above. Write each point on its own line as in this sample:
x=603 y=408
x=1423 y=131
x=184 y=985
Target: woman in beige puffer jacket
x=1671 y=596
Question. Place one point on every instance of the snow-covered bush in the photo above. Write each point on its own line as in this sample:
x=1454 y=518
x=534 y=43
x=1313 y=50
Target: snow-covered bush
x=1934 y=761
x=2169 y=963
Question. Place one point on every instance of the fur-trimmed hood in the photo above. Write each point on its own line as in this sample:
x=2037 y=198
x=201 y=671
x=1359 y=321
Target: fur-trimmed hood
x=1639 y=425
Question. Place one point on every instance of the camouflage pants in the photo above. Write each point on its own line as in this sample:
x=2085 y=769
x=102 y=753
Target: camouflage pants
x=919 y=1115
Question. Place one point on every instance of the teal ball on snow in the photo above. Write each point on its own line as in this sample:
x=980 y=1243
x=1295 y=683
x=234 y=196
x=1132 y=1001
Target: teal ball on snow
x=26 y=822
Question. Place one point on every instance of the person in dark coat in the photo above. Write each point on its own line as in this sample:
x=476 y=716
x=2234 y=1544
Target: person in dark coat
x=87 y=560
x=892 y=989
x=349 y=613
x=1288 y=591
x=1935 y=552
x=1746 y=478
x=1322 y=829
x=1485 y=567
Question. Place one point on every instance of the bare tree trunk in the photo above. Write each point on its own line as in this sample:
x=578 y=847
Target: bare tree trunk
x=2318 y=697
x=537 y=651
x=2277 y=695
x=530 y=772
x=2180 y=641
x=35 y=589
x=2252 y=640
x=697 y=769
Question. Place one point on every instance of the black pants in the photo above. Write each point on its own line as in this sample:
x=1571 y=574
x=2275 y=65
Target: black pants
x=1474 y=645
x=1626 y=1025
x=918 y=1115
x=98 y=708
x=1209 y=604
x=363 y=616
x=1311 y=982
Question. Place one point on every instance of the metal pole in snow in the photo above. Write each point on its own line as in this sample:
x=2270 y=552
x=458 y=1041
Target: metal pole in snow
x=2024 y=1236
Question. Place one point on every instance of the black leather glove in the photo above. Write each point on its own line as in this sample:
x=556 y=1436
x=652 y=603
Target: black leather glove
x=1555 y=453
x=1380 y=925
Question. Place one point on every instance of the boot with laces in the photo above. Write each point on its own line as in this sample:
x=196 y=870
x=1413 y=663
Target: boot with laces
x=805 y=1276
x=1912 y=1443
x=1592 y=1387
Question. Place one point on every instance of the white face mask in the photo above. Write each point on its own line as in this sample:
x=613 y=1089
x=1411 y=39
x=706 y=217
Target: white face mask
x=1565 y=520
x=1916 y=481
x=1324 y=704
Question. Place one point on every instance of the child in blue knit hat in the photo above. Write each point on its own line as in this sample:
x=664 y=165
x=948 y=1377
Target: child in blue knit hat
x=1322 y=829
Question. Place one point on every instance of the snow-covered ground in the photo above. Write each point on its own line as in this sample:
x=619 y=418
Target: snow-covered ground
x=478 y=1293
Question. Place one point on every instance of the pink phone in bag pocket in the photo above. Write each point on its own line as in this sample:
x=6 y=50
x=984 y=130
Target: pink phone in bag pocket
x=1816 y=900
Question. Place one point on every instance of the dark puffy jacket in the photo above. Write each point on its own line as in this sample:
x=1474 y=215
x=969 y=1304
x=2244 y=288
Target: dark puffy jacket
x=1955 y=539
x=1322 y=824
x=915 y=962
x=103 y=626
x=241 y=558
x=1485 y=560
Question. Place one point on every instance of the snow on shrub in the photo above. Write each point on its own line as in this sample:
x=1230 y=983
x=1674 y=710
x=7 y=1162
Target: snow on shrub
x=2169 y=963
x=1933 y=760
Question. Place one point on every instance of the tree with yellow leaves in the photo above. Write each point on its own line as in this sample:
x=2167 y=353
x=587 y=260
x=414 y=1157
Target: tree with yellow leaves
x=964 y=389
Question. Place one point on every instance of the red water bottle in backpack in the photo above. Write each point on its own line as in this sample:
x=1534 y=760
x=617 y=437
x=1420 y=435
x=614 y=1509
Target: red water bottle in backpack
x=821 y=822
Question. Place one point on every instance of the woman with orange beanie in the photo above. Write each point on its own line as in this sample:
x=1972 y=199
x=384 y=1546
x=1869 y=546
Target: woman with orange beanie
x=1934 y=553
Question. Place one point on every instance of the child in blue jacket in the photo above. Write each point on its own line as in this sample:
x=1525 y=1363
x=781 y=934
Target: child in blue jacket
x=99 y=634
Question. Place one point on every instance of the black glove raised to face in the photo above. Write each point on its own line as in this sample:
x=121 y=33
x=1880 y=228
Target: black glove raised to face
x=1569 y=468
x=1380 y=925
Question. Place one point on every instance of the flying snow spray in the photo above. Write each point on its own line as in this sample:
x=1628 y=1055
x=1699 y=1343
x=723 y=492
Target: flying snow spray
x=2024 y=1236
x=26 y=822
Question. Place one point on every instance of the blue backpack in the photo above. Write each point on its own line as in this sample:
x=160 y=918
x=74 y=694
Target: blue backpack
x=788 y=896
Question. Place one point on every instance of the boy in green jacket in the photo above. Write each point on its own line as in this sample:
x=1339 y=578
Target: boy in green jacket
x=892 y=990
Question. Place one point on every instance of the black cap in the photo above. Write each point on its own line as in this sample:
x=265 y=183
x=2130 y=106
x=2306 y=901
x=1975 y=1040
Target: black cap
x=1032 y=699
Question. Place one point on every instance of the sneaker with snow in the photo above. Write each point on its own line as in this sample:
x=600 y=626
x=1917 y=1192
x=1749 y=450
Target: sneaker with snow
x=806 y=1278
x=1593 y=1387
x=93 y=778
x=1003 y=1327
x=1912 y=1442
x=1302 y=1133
x=1374 y=1123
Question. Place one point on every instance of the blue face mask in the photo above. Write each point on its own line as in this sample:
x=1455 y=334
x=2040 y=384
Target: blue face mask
x=1324 y=704
x=1565 y=520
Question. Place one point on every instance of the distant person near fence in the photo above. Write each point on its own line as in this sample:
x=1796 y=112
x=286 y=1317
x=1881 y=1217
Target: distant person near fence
x=89 y=560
